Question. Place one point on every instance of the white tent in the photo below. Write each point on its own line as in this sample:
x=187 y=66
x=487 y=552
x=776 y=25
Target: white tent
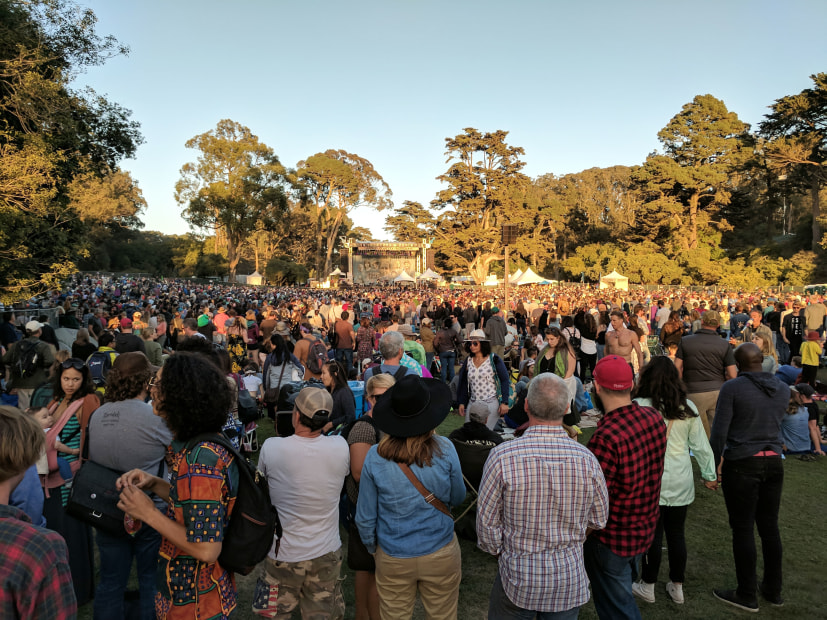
x=515 y=276
x=429 y=274
x=404 y=277
x=337 y=272
x=491 y=280
x=255 y=278
x=529 y=277
x=614 y=280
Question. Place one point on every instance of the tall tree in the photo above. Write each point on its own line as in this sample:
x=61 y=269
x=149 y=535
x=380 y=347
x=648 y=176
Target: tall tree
x=797 y=130
x=690 y=182
x=50 y=136
x=334 y=183
x=236 y=185
x=410 y=222
x=484 y=184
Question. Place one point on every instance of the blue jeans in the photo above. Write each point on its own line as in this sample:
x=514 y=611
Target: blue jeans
x=500 y=607
x=447 y=359
x=611 y=576
x=116 y=555
x=752 y=492
x=429 y=359
x=345 y=356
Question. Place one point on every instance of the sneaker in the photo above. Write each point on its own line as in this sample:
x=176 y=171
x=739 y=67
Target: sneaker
x=731 y=597
x=675 y=591
x=643 y=590
x=775 y=601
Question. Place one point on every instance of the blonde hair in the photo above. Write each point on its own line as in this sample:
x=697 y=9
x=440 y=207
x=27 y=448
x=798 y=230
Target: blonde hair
x=766 y=345
x=21 y=442
x=378 y=382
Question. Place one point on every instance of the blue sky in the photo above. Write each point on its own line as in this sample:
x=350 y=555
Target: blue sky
x=577 y=84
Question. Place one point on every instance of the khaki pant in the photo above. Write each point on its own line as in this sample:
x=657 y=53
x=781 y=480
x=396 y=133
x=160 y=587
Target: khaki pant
x=24 y=398
x=499 y=349
x=705 y=402
x=436 y=576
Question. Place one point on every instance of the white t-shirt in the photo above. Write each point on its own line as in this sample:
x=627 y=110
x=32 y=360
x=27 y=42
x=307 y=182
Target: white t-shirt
x=305 y=477
x=252 y=383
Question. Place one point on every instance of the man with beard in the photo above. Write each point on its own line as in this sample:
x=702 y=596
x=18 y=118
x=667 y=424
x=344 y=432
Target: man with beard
x=629 y=443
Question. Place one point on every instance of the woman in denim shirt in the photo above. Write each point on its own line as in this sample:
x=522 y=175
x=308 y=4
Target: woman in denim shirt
x=412 y=540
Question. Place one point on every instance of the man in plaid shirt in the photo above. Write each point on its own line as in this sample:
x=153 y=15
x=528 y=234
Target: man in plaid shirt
x=539 y=496
x=629 y=443
x=35 y=581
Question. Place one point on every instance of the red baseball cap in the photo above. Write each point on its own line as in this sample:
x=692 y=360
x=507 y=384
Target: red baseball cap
x=614 y=373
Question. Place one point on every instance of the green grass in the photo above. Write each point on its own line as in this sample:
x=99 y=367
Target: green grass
x=710 y=564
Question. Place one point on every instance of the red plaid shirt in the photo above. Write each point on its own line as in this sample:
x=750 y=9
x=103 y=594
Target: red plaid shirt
x=35 y=581
x=630 y=443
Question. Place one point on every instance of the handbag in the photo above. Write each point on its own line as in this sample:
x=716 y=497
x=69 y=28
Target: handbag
x=54 y=479
x=94 y=497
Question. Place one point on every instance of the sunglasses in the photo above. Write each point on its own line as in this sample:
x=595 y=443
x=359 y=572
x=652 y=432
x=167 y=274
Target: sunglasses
x=73 y=362
x=474 y=342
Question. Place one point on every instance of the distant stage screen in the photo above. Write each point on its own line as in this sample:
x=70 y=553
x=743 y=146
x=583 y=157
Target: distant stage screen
x=383 y=266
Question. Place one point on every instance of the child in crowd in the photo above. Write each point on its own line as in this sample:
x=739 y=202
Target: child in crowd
x=672 y=350
x=45 y=419
x=810 y=356
x=252 y=381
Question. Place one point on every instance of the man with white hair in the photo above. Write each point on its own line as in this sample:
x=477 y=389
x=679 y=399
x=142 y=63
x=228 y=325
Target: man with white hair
x=521 y=479
x=391 y=348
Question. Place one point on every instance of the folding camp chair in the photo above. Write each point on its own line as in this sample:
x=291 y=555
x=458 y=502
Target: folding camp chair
x=249 y=441
x=472 y=458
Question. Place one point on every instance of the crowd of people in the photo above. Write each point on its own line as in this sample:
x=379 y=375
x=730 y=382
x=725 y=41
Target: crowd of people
x=142 y=376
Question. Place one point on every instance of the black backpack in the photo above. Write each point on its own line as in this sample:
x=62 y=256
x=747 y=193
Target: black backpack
x=99 y=364
x=574 y=340
x=27 y=358
x=316 y=357
x=254 y=523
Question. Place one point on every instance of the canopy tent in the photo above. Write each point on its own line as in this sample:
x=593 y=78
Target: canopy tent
x=404 y=277
x=529 y=277
x=491 y=280
x=255 y=278
x=337 y=272
x=429 y=274
x=614 y=280
x=515 y=276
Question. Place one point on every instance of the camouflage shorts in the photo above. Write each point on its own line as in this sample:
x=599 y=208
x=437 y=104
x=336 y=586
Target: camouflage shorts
x=313 y=585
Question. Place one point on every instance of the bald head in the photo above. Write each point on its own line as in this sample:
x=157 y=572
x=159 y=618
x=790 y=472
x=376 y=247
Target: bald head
x=748 y=357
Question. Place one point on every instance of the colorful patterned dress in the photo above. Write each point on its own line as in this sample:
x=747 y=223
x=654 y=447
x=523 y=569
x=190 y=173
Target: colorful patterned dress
x=203 y=487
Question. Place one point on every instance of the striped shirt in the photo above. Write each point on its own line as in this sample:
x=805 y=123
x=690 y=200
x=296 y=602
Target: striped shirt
x=538 y=495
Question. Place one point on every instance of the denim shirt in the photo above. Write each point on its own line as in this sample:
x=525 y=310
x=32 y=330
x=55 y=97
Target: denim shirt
x=392 y=514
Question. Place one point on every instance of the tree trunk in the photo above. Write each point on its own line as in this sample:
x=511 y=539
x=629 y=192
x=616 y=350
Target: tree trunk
x=693 y=221
x=233 y=255
x=814 y=191
x=332 y=233
x=319 y=244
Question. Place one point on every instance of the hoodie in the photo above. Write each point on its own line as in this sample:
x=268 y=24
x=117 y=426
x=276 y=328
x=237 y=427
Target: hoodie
x=748 y=416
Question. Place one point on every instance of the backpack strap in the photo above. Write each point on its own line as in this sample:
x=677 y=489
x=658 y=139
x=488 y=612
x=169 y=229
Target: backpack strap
x=400 y=373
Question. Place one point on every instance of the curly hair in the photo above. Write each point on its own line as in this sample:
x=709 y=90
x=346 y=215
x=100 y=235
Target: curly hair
x=659 y=380
x=193 y=395
x=128 y=377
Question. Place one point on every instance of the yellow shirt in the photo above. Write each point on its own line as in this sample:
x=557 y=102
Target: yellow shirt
x=810 y=352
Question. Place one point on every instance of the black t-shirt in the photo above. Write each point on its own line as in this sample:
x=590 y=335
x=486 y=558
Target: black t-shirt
x=705 y=355
x=793 y=326
x=812 y=409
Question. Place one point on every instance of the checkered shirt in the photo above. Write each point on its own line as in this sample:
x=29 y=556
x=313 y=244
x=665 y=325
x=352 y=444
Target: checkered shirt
x=538 y=495
x=630 y=444
x=35 y=581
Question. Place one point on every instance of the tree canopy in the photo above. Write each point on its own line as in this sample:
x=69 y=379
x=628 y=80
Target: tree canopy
x=236 y=185
x=59 y=148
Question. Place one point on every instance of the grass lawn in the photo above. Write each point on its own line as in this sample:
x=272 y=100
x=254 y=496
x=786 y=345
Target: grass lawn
x=710 y=564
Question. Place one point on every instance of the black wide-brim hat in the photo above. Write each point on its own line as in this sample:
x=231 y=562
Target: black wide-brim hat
x=413 y=406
